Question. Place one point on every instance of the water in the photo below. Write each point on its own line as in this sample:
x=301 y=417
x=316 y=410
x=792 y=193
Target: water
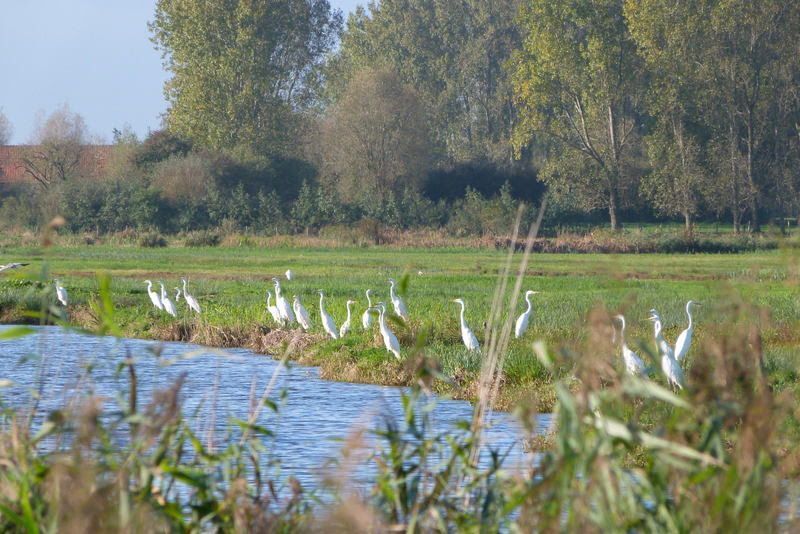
x=309 y=427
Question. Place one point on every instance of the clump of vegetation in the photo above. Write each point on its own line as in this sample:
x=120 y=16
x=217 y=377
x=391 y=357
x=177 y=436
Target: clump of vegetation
x=202 y=238
x=152 y=240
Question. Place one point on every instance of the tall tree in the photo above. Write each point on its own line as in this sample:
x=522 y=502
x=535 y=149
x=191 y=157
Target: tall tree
x=375 y=139
x=241 y=69
x=670 y=36
x=579 y=83
x=452 y=52
x=55 y=150
x=750 y=55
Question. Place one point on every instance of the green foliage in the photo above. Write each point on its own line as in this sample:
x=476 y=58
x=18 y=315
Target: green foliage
x=241 y=70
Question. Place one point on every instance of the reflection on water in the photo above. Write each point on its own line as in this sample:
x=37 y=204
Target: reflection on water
x=309 y=427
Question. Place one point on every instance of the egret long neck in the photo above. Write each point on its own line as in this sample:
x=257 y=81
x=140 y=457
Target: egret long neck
x=348 y=310
x=369 y=299
x=463 y=320
x=391 y=290
x=689 y=313
x=530 y=305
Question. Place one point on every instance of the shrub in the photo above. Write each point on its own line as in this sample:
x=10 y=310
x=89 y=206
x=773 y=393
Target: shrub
x=152 y=240
x=202 y=238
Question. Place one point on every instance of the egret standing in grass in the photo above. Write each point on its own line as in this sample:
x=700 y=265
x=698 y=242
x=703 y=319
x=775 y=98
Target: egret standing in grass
x=61 y=294
x=154 y=298
x=272 y=309
x=523 y=320
x=685 y=339
x=284 y=309
x=169 y=307
x=470 y=341
x=389 y=339
x=633 y=363
x=190 y=300
x=345 y=328
x=399 y=306
x=289 y=274
x=669 y=365
x=366 y=317
x=327 y=320
x=301 y=313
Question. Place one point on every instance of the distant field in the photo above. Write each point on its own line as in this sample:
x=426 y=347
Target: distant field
x=230 y=284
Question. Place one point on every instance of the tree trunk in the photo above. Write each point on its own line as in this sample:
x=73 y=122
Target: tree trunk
x=687 y=219
x=612 y=209
x=734 y=177
x=751 y=181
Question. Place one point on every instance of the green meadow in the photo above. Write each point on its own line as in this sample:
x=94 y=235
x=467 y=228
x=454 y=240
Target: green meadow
x=578 y=292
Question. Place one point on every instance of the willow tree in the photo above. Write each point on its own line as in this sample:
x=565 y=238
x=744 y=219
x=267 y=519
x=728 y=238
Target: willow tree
x=242 y=69
x=578 y=82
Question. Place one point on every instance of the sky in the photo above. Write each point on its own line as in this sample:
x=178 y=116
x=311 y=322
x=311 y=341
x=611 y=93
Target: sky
x=94 y=55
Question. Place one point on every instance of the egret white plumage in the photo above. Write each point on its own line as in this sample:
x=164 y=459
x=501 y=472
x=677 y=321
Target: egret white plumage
x=470 y=341
x=345 y=328
x=366 y=317
x=399 y=306
x=169 y=307
x=154 y=298
x=327 y=321
x=272 y=309
x=61 y=294
x=289 y=274
x=11 y=266
x=389 y=339
x=301 y=313
x=190 y=300
x=522 y=321
x=284 y=309
x=669 y=365
x=633 y=363
x=685 y=338
x=177 y=294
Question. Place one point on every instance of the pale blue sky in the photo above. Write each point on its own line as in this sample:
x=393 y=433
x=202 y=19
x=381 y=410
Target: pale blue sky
x=95 y=55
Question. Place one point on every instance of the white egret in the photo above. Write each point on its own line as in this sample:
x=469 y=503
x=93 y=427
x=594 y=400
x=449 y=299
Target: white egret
x=366 y=317
x=301 y=313
x=169 y=307
x=685 y=339
x=669 y=365
x=284 y=309
x=61 y=294
x=345 y=328
x=289 y=274
x=190 y=300
x=177 y=294
x=273 y=310
x=10 y=266
x=470 y=341
x=327 y=320
x=399 y=306
x=389 y=339
x=522 y=321
x=154 y=298
x=633 y=363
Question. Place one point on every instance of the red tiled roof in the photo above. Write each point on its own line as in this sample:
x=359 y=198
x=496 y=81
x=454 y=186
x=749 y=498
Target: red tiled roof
x=94 y=159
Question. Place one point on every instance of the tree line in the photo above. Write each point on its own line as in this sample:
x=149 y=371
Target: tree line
x=622 y=110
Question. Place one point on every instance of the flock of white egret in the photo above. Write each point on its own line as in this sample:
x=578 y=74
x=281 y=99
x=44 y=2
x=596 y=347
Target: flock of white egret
x=671 y=359
x=285 y=314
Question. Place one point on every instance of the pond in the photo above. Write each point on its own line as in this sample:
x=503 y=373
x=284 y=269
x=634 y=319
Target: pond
x=312 y=420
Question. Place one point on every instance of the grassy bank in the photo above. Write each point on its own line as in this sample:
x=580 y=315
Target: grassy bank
x=230 y=283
